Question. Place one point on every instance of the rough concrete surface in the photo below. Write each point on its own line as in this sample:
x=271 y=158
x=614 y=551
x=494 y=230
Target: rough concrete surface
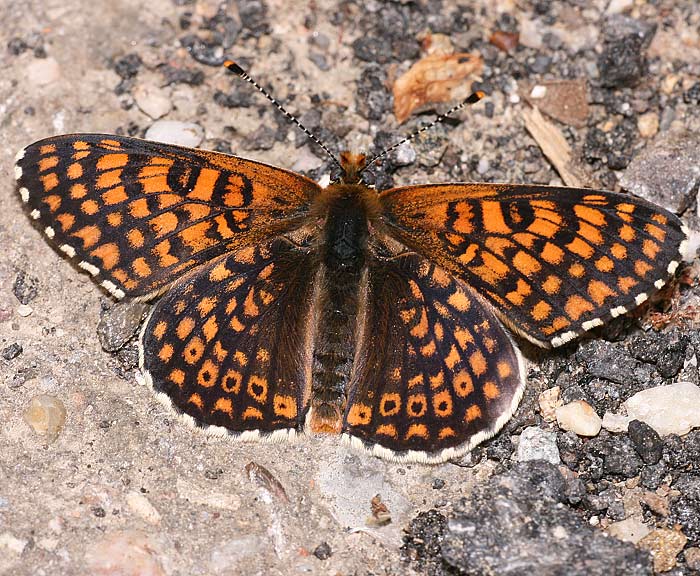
x=124 y=487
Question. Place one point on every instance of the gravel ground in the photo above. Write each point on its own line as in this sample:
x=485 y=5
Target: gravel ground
x=114 y=484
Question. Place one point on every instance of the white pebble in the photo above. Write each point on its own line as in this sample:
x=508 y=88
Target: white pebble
x=174 y=132
x=153 y=102
x=538 y=444
x=615 y=422
x=629 y=530
x=24 y=310
x=579 y=417
x=141 y=506
x=43 y=71
x=671 y=409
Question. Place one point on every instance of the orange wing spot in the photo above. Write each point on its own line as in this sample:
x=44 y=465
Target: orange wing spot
x=627 y=233
x=420 y=430
x=504 y=369
x=50 y=181
x=442 y=404
x=541 y=311
x=231 y=382
x=250 y=308
x=114 y=196
x=48 y=163
x=459 y=301
x=577 y=270
x=219 y=272
x=141 y=267
x=66 y=221
x=599 y=291
x=112 y=161
x=81 y=155
x=206 y=305
x=590 y=215
x=89 y=207
x=387 y=430
x=194 y=350
x=463 y=384
x=135 y=238
x=463 y=337
x=262 y=355
x=159 y=330
x=543 y=228
x=491 y=390
x=257 y=388
x=438 y=331
x=437 y=380
x=650 y=249
x=559 y=323
x=163 y=223
x=660 y=219
x=469 y=253
x=114 y=219
x=478 y=363
x=207 y=374
x=517 y=296
x=184 y=328
x=233 y=196
x=48 y=149
x=196 y=399
x=224 y=405
x=628 y=208
x=285 y=406
x=390 y=404
x=108 y=253
x=196 y=236
x=75 y=171
x=420 y=330
x=656 y=232
x=197 y=211
x=595 y=199
x=204 y=186
x=415 y=290
x=416 y=405
x=109 y=179
x=428 y=350
x=472 y=413
x=604 y=264
x=581 y=248
x=78 y=191
x=552 y=284
x=53 y=202
x=251 y=413
x=109 y=143
x=498 y=245
x=618 y=251
x=407 y=315
x=396 y=374
x=493 y=269
x=139 y=208
x=464 y=223
x=452 y=358
x=590 y=233
x=219 y=351
x=626 y=283
x=162 y=252
x=641 y=268
x=525 y=239
x=552 y=254
x=441 y=278
x=359 y=415
x=210 y=328
x=89 y=235
x=493 y=220
x=576 y=306
x=417 y=380
x=526 y=264
x=236 y=324
x=177 y=376
x=446 y=432
x=166 y=353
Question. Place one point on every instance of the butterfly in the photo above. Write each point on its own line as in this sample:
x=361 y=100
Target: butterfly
x=287 y=308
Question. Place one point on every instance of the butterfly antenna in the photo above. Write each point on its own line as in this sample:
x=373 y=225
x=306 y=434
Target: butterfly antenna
x=473 y=98
x=236 y=69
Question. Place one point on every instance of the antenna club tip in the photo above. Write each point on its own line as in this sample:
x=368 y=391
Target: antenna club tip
x=474 y=97
x=480 y=94
x=233 y=67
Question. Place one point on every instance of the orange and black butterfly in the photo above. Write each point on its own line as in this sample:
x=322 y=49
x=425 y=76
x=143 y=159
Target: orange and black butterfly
x=286 y=307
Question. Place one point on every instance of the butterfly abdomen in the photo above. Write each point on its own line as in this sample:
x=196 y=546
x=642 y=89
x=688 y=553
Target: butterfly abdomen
x=343 y=253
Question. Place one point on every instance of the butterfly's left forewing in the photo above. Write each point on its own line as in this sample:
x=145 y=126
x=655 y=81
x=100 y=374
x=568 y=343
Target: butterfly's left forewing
x=554 y=262
x=137 y=214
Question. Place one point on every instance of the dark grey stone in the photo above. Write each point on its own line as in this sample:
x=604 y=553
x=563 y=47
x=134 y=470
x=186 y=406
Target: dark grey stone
x=119 y=324
x=646 y=441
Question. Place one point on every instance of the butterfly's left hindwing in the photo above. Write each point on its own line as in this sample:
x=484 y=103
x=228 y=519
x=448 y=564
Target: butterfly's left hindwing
x=554 y=262
x=137 y=215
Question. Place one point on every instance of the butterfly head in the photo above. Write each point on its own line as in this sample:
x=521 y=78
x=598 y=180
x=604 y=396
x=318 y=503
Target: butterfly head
x=352 y=164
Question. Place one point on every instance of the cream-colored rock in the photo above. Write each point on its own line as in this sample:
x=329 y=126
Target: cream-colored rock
x=549 y=400
x=664 y=546
x=672 y=409
x=629 y=530
x=579 y=417
x=648 y=124
x=141 y=506
x=46 y=415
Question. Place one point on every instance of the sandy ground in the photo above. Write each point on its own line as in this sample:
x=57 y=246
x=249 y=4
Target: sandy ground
x=124 y=478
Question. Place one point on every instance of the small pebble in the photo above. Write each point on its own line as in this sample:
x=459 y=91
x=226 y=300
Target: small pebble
x=648 y=124
x=404 y=154
x=323 y=551
x=152 y=101
x=692 y=558
x=124 y=553
x=46 y=415
x=24 y=310
x=549 y=400
x=175 y=132
x=43 y=71
x=664 y=546
x=12 y=351
x=142 y=507
x=646 y=441
x=538 y=444
x=579 y=417
x=629 y=530
x=671 y=409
